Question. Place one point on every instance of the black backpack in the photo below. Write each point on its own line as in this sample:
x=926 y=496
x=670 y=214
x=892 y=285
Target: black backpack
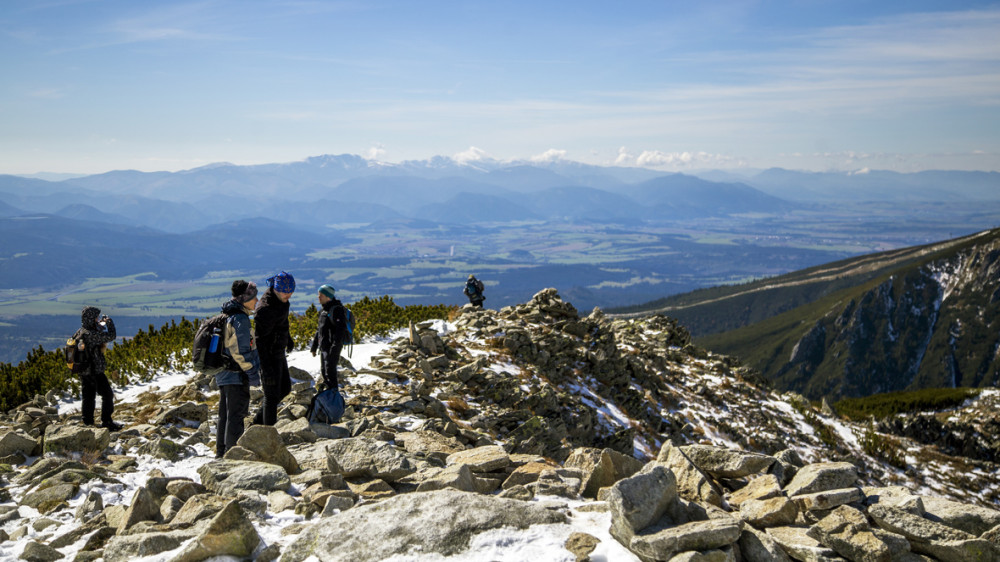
x=209 y=339
x=77 y=358
x=472 y=288
x=349 y=325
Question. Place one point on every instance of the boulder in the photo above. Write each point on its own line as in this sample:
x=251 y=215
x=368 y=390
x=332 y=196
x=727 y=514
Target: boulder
x=37 y=552
x=429 y=443
x=639 y=501
x=12 y=443
x=758 y=546
x=820 y=477
x=166 y=449
x=265 y=442
x=458 y=477
x=821 y=501
x=847 y=531
x=665 y=542
x=229 y=533
x=490 y=458
x=143 y=508
x=972 y=519
x=186 y=412
x=363 y=457
x=200 y=507
x=762 y=487
x=773 y=512
x=692 y=483
x=70 y=439
x=932 y=538
x=227 y=478
x=435 y=523
x=721 y=462
x=581 y=545
x=90 y=506
x=125 y=548
x=51 y=498
x=797 y=543
x=526 y=474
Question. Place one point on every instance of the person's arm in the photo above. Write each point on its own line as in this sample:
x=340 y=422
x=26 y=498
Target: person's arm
x=109 y=334
x=239 y=343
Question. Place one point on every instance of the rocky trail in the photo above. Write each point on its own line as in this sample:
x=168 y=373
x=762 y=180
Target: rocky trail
x=527 y=433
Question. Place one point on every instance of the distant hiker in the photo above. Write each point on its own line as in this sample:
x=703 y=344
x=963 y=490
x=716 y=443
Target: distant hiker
x=274 y=340
x=331 y=335
x=95 y=335
x=242 y=366
x=474 y=290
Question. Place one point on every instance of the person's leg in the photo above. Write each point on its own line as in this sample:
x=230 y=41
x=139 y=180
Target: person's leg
x=107 y=400
x=88 y=391
x=220 y=431
x=239 y=406
x=268 y=413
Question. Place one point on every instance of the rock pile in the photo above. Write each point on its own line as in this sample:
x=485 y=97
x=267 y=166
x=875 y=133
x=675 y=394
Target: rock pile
x=524 y=417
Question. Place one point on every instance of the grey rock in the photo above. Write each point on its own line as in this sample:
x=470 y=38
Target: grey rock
x=458 y=477
x=368 y=458
x=125 y=548
x=13 y=442
x=638 y=502
x=726 y=463
x=200 y=507
x=90 y=506
x=142 y=508
x=227 y=478
x=820 y=477
x=758 y=546
x=932 y=538
x=186 y=412
x=166 y=449
x=229 y=533
x=169 y=508
x=972 y=519
x=773 y=512
x=663 y=543
x=762 y=487
x=50 y=498
x=581 y=545
x=692 y=483
x=441 y=522
x=37 y=552
x=847 y=531
x=829 y=499
x=265 y=442
x=279 y=501
x=796 y=542
x=70 y=439
x=490 y=458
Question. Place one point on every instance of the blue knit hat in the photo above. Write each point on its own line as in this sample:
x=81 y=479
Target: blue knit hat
x=282 y=282
x=327 y=290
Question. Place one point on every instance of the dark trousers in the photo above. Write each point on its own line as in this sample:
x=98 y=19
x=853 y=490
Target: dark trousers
x=328 y=365
x=234 y=404
x=276 y=384
x=91 y=386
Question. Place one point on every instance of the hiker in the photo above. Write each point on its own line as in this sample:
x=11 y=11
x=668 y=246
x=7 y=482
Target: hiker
x=274 y=340
x=242 y=366
x=474 y=290
x=95 y=336
x=331 y=335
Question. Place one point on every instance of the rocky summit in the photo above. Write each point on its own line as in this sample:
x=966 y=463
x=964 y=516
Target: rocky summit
x=496 y=433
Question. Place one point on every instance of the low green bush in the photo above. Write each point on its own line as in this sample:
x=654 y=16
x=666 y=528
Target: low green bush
x=142 y=356
x=881 y=406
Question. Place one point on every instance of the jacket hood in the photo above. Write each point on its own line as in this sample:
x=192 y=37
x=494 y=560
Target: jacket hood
x=88 y=318
x=234 y=306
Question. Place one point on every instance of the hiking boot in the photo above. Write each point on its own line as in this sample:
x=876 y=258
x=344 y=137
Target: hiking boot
x=112 y=426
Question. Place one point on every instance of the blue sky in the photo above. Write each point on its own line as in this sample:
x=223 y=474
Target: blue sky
x=91 y=86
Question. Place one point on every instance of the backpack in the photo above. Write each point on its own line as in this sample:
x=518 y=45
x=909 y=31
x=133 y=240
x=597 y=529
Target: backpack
x=472 y=288
x=349 y=325
x=206 y=352
x=77 y=358
x=327 y=407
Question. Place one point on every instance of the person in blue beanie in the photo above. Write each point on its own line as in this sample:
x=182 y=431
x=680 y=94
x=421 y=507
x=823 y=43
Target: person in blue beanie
x=243 y=366
x=274 y=340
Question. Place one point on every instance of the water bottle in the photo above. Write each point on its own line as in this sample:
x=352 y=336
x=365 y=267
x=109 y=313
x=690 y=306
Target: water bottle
x=214 y=345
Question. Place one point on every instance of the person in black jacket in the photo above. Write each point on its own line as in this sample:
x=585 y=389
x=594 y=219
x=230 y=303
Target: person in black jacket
x=274 y=340
x=331 y=335
x=96 y=335
x=474 y=290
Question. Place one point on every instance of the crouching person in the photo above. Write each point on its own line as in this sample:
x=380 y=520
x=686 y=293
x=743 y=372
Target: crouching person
x=242 y=366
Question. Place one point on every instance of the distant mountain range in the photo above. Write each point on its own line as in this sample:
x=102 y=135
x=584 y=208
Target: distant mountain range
x=355 y=189
x=921 y=317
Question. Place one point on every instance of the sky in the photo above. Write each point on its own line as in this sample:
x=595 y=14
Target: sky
x=92 y=86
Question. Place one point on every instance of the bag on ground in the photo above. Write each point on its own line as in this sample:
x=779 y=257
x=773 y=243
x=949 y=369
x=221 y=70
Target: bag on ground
x=327 y=407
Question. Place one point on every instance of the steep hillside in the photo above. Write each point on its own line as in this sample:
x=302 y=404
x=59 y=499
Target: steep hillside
x=529 y=433
x=929 y=320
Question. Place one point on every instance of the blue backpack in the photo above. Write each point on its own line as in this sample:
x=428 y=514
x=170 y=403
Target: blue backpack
x=327 y=407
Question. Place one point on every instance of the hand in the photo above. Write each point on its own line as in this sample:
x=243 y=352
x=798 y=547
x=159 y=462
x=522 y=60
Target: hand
x=313 y=351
